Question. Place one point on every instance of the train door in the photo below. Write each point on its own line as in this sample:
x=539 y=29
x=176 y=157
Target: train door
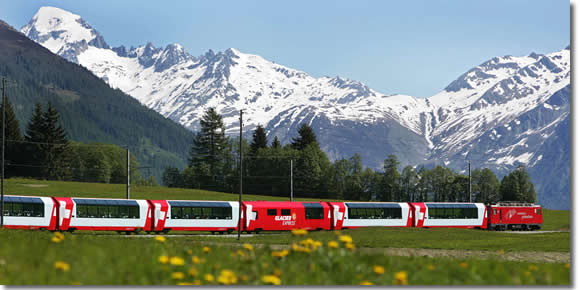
x=338 y=214
x=64 y=212
x=159 y=210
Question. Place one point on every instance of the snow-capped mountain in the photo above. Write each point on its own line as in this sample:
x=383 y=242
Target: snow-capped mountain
x=505 y=111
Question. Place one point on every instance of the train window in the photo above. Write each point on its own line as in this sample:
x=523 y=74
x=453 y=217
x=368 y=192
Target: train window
x=188 y=212
x=285 y=212
x=175 y=212
x=494 y=211
x=314 y=213
x=23 y=209
x=375 y=213
x=113 y=211
x=124 y=212
x=272 y=211
x=452 y=213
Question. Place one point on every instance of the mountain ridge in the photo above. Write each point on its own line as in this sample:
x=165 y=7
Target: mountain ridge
x=446 y=128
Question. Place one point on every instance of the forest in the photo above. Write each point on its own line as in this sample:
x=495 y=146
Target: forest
x=266 y=170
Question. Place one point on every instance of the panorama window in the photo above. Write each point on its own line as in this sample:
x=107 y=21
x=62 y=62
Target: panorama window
x=22 y=209
x=452 y=211
x=191 y=211
x=374 y=211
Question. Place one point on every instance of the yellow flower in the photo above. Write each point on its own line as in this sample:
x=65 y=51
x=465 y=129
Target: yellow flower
x=195 y=260
x=463 y=265
x=307 y=242
x=430 y=267
x=271 y=279
x=248 y=247
x=244 y=278
x=192 y=272
x=401 y=278
x=177 y=275
x=294 y=246
x=277 y=272
x=350 y=246
x=189 y=251
x=227 y=277
x=333 y=244
x=176 y=261
x=299 y=232
x=163 y=259
x=160 y=239
x=379 y=269
x=62 y=266
x=241 y=253
x=208 y=277
x=567 y=265
x=345 y=239
x=337 y=232
x=366 y=282
x=75 y=283
x=316 y=244
x=206 y=249
x=197 y=282
x=311 y=267
x=184 y=284
x=533 y=268
x=58 y=237
x=501 y=252
x=280 y=254
x=527 y=273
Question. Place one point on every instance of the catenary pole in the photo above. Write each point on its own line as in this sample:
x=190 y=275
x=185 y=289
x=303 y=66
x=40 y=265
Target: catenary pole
x=128 y=172
x=291 y=181
x=3 y=145
x=469 y=169
x=240 y=199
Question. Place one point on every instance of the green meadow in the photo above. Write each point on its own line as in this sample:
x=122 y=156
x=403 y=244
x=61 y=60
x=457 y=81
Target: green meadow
x=349 y=257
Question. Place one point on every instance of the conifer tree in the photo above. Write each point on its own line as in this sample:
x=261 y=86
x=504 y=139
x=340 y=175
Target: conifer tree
x=13 y=143
x=210 y=147
x=259 y=140
x=305 y=137
x=34 y=154
x=391 y=177
x=276 y=143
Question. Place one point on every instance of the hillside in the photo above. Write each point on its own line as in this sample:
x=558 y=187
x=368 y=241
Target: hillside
x=91 y=111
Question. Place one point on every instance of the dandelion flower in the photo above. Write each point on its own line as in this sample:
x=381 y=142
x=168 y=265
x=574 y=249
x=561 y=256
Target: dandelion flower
x=299 y=232
x=56 y=240
x=366 y=282
x=379 y=269
x=280 y=254
x=208 y=277
x=227 y=277
x=401 y=278
x=192 y=272
x=241 y=253
x=501 y=252
x=189 y=251
x=316 y=244
x=177 y=275
x=463 y=265
x=206 y=249
x=160 y=239
x=248 y=247
x=527 y=273
x=195 y=260
x=244 y=278
x=430 y=267
x=567 y=265
x=345 y=239
x=59 y=235
x=197 y=282
x=62 y=266
x=163 y=259
x=307 y=242
x=176 y=261
x=350 y=246
x=533 y=268
x=271 y=279
x=332 y=244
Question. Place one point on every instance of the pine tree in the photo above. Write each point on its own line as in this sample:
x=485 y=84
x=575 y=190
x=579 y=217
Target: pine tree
x=526 y=193
x=485 y=186
x=13 y=154
x=276 y=143
x=259 y=140
x=509 y=188
x=391 y=178
x=305 y=137
x=210 y=148
x=34 y=154
x=56 y=144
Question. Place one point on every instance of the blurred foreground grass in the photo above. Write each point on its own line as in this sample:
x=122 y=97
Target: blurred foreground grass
x=43 y=258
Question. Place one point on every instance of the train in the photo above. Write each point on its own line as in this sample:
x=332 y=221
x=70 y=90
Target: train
x=161 y=216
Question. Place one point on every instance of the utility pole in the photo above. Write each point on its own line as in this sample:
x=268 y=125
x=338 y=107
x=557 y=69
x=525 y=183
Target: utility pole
x=240 y=201
x=128 y=172
x=291 y=182
x=3 y=149
x=469 y=169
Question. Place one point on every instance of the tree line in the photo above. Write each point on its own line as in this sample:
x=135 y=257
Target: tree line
x=45 y=152
x=214 y=165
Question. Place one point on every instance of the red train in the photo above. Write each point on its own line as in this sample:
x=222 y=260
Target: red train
x=72 y=213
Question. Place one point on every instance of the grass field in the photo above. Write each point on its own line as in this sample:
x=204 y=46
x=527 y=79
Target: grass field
x=33 y=258
x=90 y=258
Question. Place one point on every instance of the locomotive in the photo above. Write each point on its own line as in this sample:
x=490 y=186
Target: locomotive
x=123 y=215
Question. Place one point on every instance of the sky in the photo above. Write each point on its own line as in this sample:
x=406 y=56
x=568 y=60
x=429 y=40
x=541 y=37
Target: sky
x=395 y=47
